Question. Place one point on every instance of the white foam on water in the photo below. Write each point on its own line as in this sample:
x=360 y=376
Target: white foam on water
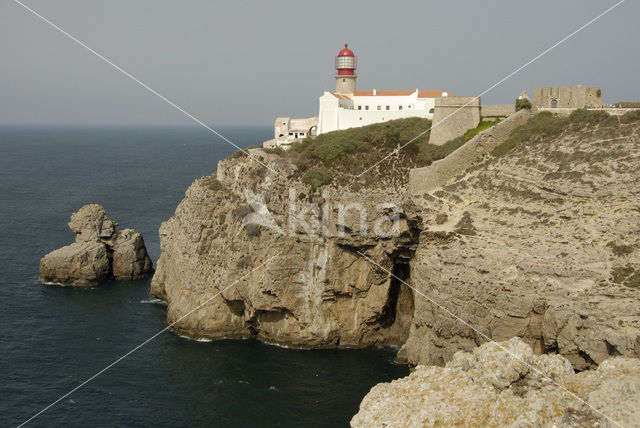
x=154 y=301
x=59 y=284
x=197 y=339
x=55 y=283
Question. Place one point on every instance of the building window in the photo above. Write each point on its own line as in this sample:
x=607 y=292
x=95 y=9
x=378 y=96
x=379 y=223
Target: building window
x=431 y=110
x=359 y=107
x=360 y=117
x=399 y=107
x=409 y=106
x=379 y=107
x=290 y=133
x=344 y=80
x=388 y=107
x=366 y=107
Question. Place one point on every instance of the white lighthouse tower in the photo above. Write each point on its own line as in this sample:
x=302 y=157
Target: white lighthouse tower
x=346 y=65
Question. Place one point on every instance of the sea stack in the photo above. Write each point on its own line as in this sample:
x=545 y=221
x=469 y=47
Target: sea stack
x=101 y=251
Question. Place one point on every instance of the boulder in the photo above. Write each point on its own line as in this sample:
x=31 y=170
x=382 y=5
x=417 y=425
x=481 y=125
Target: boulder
x=130 y=258
x=504 y=384
x=101 y=251
x=90 y=223
x=81 y=263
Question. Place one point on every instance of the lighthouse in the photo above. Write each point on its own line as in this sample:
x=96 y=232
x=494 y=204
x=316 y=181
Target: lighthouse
x=346 y=71
x=350 y=108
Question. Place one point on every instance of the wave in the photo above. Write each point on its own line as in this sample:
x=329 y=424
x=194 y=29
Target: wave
x=154 y=301
x=197 y=339
x=59 y=284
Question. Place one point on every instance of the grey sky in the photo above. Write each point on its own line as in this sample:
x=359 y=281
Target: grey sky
x=231 y=63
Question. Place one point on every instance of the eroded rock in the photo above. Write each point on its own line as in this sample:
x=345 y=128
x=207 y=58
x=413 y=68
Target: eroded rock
x=130 y=258
x=101 y=251
x=315 y=290
x=81 y=263
x=504 y=384
x=541 y=243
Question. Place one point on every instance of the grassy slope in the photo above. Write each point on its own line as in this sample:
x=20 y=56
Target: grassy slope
x=546 y=124
x=342 y=155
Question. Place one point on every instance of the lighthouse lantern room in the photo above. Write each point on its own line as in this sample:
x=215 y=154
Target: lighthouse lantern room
x=346 y=66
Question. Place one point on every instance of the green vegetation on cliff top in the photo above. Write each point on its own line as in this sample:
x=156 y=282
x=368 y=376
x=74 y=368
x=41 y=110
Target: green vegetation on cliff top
x=547 y=124
x=344 y=154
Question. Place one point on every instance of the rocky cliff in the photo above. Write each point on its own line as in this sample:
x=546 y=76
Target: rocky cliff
x=101 y=251
x=317 y=292
x=539 y=242
x=505 y=385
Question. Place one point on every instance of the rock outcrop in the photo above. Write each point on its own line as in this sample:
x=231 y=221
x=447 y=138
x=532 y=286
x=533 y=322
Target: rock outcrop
x=81 y=263
x=318 y=291
x=505 y=385
x=101 y=251
x=541 y=243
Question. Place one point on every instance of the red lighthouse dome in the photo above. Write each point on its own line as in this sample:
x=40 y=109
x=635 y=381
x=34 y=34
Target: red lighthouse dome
x=346 y=51
x=346 y=62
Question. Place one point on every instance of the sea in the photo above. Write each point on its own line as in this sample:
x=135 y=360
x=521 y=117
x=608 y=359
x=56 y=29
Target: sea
x=54 y=339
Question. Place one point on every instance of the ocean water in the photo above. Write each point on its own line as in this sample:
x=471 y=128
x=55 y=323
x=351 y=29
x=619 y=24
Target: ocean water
x=53 y=338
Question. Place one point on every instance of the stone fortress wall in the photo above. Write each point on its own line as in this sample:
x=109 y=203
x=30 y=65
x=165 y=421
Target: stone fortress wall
x=566 y=100
x=568 y=97
x=495 y=111
x=429 y=178
x=452 y=117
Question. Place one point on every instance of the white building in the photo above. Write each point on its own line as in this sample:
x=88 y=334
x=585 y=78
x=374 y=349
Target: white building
x=349 y=108
x=343 y=111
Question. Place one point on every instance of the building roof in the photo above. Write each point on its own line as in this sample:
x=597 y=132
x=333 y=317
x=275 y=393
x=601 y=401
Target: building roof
x=391 y=93
x=340 y=96
x=433 y=94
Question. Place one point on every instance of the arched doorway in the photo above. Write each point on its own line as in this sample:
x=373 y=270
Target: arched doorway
x=554 y=103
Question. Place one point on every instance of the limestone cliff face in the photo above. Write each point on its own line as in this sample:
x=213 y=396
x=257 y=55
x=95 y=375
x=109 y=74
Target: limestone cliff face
x=542 y=243
x=505 y=385
x=316 y=292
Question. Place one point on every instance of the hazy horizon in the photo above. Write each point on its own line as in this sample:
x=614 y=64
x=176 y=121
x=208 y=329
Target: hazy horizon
x=244 y=65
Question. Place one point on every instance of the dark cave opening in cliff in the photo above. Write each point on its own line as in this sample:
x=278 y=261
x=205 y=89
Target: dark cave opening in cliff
x=399 y=275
